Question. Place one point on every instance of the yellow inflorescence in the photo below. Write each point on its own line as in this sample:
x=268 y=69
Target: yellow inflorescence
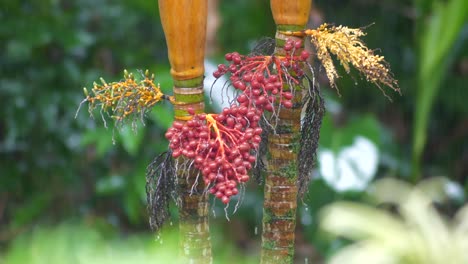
x=126 y=97
x=346 y=45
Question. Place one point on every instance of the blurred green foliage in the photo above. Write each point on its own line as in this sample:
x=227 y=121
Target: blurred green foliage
x=49 y=160
x=415 y=36
x=94 y=242
x=418 y=234
x=243 y=22
x=53 y=165
x=436 y=42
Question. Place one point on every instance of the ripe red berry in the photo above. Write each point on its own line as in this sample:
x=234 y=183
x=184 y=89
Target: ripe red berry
x=191 y=111
x=232 y=68
x=177 y=125
x=236 y=59
x=287 y=95
x=239 y=85
x=269 y=86
x=225 y=200
x=247 y=77
x=244 y=178
x=287 y=104
x=298 y=44
x=305 y=55
x=169 y=134
x=217 y=74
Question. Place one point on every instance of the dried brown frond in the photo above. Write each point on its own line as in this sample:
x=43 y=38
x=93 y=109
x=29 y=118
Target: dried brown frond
x=124 y=98
x=160 y=188
x=346 y=44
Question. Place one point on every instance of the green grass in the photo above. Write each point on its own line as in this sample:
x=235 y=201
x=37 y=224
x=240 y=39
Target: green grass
x=86 y=243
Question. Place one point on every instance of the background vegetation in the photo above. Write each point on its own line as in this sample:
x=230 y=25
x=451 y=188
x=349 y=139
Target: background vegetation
x=62 y=179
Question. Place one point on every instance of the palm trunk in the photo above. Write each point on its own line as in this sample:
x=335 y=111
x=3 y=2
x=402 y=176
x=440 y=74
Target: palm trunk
x=184 y=24
x=279 y=210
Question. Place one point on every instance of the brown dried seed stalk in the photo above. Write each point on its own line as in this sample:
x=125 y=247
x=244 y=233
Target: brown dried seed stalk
x=346 y=45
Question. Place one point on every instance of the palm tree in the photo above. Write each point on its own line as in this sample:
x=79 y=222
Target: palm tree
x=184 y=24
x=281 y=180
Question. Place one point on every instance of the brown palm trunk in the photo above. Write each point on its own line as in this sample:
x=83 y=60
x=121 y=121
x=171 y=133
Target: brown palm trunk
x=184 y=24
x=279 y=210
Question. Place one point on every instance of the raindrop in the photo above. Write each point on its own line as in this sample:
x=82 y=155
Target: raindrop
x=256 y=230
x=226 y=213
x=306 y=261
x=307 y=208
x=306 y=218
x=170 y=223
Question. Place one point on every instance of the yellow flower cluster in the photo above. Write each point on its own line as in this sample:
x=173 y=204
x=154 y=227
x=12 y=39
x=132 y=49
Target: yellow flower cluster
x=126 y=97
x=346 y=45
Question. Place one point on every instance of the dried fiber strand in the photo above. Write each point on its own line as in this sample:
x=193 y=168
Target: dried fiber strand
x=263 y=47
x=259 y=167
x=160 y=188
x=310 y=134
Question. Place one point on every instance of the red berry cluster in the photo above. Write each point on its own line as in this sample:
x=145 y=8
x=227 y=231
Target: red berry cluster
x=223 y=146
x=261 y=88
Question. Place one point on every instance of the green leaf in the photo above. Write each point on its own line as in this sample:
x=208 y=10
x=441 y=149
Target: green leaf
x=335 y=138
x=436 y=42
x=100 y=137
x=326 y=131
x=163 y=77
x=131 y=138
x=110 y=185
x=366 y=125
x=163 y=115
x=132 y=206
x=31 y=209
x=138 y=179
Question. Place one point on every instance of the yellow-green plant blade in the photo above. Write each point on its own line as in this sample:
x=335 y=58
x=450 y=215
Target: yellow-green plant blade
x=415 y=205
x=357 y=222
x=364 y=252
x=390 y=190
x=422 y=217
x=435 y=44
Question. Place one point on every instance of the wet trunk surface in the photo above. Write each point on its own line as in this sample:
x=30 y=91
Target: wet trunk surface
x=279 y=210
x=184 y=23
x=194 y=230
x=281 y=190
x=195 y=243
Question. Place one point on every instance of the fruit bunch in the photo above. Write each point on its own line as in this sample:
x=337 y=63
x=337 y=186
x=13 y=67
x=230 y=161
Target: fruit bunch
x=223 y=146
x=265 y=80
